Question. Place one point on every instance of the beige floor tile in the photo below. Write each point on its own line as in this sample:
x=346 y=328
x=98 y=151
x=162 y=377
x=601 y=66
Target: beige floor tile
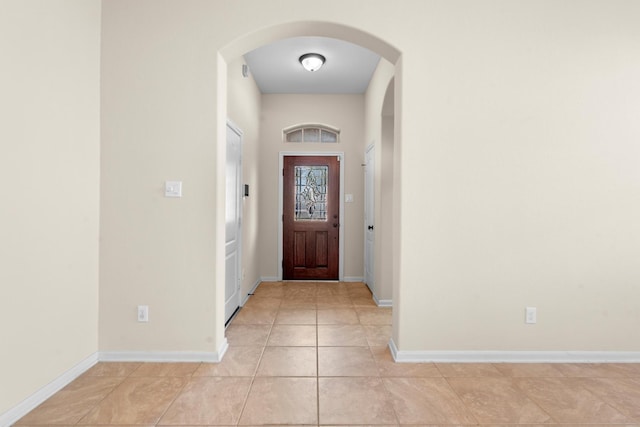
x=165 y=370
x=341 y=335
x=296 y=285
x=363 y=302
x=377 y=335
x=300 y=293
x=354 y=401
x=627 y=369
x=427 y=401
x=387 y=367
x=292 y=335
x=331 y=302
x=346 y=362
x=264 y=302
x=136 y=401
x=497 y=400
x=296 y=317
x=374 y=316
x=568 y=402
x=528 y=369
x=307 y=302
x=359 y=290
x=288 y=362
x=209 y=401
x=591 y=370
x=255 y=316
x=468 y=370
x=252 y=335
x=332 y=290
x=277 y=400
x=621 y=393
x=333 y=316
x=267 y=290
x=73 y=402
x=238 y=361
x=271 y=283
x=559 y=425
x=112 y=369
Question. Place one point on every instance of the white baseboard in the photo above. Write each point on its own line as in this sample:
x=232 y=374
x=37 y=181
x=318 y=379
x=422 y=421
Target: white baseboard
x=31 y=402
x=165 y=356
x=253 y=289
x=345 y=279
x=393 y=349
x=513 y=356
x=382 y=302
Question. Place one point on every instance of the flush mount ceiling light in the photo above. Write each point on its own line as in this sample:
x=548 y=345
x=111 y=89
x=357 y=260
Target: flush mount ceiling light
x=312 y=61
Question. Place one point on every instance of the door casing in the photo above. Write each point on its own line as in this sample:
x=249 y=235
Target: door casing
x=282 y=155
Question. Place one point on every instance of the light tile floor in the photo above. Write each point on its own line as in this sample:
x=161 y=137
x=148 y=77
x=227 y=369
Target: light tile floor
x=315 y=354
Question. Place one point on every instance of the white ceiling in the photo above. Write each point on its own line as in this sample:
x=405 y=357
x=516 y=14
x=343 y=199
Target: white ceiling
x=276 y=69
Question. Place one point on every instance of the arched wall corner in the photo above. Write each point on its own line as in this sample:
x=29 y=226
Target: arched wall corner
x=248 y=42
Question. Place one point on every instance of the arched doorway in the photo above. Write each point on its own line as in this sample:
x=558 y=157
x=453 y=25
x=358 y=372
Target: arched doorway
x=239 y=47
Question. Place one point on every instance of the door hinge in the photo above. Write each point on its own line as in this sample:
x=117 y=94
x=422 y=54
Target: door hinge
x=338 y=158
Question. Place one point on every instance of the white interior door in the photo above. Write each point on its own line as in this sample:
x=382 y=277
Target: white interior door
x=233 y=221
x=369 y=231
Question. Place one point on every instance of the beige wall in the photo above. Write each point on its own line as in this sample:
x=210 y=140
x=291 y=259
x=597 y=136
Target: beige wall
x=514 y=167
x=159 y=113
x=244 y=109
x=345 y=112
x=49 y=167
x=379 y=131
x=519 y=157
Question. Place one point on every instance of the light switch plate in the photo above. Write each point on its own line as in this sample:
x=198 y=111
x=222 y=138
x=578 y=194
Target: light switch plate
x=348 y=198
x=173 y=189
x=531 y=315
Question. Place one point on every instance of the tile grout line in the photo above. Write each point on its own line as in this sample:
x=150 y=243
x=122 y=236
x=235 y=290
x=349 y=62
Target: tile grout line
x=317 y=368
x=188 y=377
x=106 y=395
x=255 y=372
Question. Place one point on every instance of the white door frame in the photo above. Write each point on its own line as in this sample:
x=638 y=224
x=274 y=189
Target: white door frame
x=282 y=155
x=238 y=253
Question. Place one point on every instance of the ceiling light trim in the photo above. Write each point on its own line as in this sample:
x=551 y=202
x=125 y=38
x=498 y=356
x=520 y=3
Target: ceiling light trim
x=312 y=61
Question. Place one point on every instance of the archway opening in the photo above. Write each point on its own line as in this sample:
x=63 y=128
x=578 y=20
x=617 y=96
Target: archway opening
x=235 y=50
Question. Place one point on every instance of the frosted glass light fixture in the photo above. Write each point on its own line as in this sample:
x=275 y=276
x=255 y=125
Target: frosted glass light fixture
x=312 y=61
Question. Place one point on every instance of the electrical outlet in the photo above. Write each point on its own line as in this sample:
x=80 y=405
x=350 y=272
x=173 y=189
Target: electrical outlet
x=530 y=315
x=143 y=313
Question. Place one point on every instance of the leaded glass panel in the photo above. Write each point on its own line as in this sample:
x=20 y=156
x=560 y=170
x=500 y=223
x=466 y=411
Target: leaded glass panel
x=311 y=193
x=328 y=136
x=295 y=136
x=311 y=135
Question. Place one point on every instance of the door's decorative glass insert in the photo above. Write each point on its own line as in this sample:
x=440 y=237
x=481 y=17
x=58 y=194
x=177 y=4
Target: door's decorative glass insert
x=311 y=193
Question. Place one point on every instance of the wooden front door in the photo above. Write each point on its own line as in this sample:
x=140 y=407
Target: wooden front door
x=311 y=217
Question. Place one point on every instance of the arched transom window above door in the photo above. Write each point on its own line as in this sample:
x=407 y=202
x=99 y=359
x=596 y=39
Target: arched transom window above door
x=311 y=133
